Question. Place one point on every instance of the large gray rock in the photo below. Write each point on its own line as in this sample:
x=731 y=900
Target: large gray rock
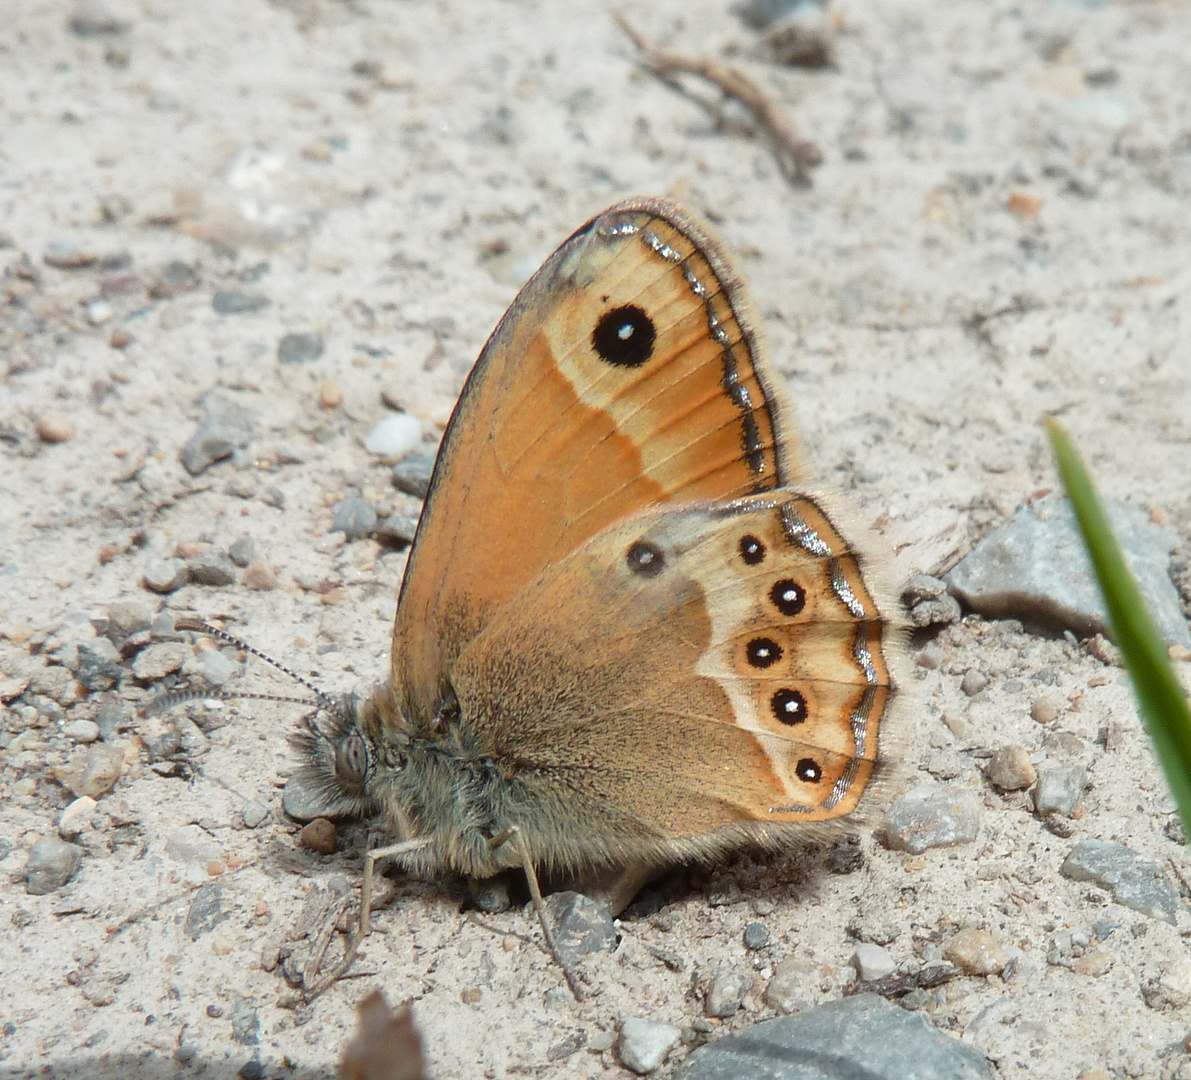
x=1134 y=880
x=1035 y=567
x=863 y=1036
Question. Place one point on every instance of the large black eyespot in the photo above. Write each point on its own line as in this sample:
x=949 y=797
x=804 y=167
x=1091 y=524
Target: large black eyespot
x=788 y=597
x=752 y=551
x=807 y=770
x=763 y=652
x=789 y=706
x=351 y=761
x=645 y=559
x=624 y=336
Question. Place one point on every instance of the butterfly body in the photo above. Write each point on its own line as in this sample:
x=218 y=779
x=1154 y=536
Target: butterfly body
x=625 y=637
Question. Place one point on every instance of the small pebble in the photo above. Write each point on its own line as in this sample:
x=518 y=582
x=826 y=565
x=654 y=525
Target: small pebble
x=394 y=437
x=581 y=925
x=226 y=427
x=158 y=661
x=1010 y=769
x=1172 y=988
x=976 y=952
x=237 y=303
x=255 y=814
x=1060 y=785
x=212 y=568
x=599 y=1041
x=319 y=836
x=644 y=1044
x=205 y=911
x=52 y=863
x=98 y=667
x=300 y=348
x=175 y=278
x=54 y=427
x=873 y=962
x=329 y=396
x=120 y=338
x=782 y=990
x=164 y=575
x=1134 y=880
x=755 y=936
x=190 y=844
x=932 y=815
x=397 y=529
x=412 y=474
x=355 y=518
x=76 y=817
x=126 y=617
x=65 y=254
x=1047 y=706
x=726 y=993
x=259 y=576
x=973 y=682
x=92 y=770
x=215 y=668
x=81 y=731
x=99 y=312
x=931 y=658
x=241 y=551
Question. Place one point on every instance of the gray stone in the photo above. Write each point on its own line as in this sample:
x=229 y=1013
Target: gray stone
x=581 y=925
x=973 y=682
x=490 y=895
x=1060 y=785
x=112 y=718
x=164 y=575
x=211 y=567
x=941 y=612
x=255 y=814
x=644 y=1044
x=158 y=661
x=215 y=668
x=92 y=770
x=242 y=551
x=126 y=617
x=175 y=278
x=246 y=1025
x=755 y=936
x=355 y=518
x=782 y=992
x=81 y=731
x=52 y=863
x=225 y=302
x=205 y=911
x=226 y=427
x=92 y=19
x=397 y=529
x=1035 y=567
x=932 y=815
x=300 y=348
x=726 y=993
x=862 y=1036
x=412 y=474
x=97 y=670
x=922 y=587
x=1133 y=880
x=873 y=962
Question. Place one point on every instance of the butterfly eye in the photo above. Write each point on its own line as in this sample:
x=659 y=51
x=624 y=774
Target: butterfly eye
x=752 y=551
x=788 y=597
x=807 y=770
x=789 y=706
x=624 y=336
x=351 y=761
x=645 y=559
x=763 y=652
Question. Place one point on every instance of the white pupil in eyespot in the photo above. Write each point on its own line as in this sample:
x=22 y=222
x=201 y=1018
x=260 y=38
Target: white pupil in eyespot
x=625 y=332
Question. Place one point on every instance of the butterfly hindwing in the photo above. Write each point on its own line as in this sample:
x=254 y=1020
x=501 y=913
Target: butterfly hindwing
x=714 y=669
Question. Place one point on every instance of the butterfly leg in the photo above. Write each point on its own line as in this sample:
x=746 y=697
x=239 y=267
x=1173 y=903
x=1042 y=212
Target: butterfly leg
x=370 y=860
x=514 y=836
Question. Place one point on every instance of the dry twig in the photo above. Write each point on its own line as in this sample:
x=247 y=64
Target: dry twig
x=795 y=154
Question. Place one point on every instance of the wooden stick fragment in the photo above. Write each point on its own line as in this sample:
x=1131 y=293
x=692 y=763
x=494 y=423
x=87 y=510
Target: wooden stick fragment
x=795 y=154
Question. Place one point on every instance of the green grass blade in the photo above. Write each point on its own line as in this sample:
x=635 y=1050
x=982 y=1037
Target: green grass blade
x=1160 y=697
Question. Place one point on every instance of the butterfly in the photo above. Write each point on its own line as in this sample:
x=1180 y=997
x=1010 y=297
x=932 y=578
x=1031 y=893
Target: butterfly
x=626 y=636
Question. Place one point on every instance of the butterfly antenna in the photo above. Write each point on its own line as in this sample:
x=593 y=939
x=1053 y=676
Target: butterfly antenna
x=169 y=700
x=202 y=627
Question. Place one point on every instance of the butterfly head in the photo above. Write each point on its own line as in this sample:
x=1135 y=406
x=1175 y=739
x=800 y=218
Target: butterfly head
x=342 y=763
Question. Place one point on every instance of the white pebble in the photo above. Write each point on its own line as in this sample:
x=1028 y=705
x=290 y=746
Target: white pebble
x=872 y=962
x=394 y=437
x=76 y=817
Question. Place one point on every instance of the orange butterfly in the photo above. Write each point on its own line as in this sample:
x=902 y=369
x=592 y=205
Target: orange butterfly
x=623 y=639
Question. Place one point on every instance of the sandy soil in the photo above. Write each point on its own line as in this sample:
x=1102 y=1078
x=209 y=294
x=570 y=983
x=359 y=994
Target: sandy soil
x=1000 y=227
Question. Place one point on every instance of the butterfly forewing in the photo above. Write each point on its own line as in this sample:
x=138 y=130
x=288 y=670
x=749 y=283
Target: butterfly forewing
x=625 y=375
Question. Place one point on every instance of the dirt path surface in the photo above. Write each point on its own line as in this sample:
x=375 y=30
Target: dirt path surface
x=999 y=228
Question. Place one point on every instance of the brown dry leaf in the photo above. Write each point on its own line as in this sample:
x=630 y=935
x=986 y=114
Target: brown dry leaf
x=387 y=1045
